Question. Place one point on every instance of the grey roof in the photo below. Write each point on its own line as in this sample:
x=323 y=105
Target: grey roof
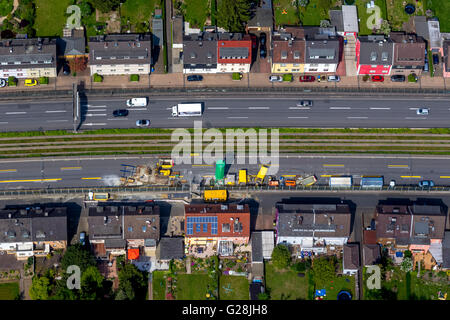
x=337 y=19
x=28 y=53
x=375 y=50
x=262 y=16
x=120 y=49
x=171 y=248
x=33 y=223
x=71 y=46
x=157 y=32
x=115 y=243
x=177 y=30
x=446 y=46
x=236 y=52
x=421 y=26
x=434 y=32
x=350 y=18
x=200 y=49
x=446 y=250
x=326 y=50
x=371 y=254
x=351 y=256
x=257 y=250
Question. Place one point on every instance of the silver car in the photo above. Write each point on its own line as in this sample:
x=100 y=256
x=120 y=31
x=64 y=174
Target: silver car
x=275 y=79
x=423 y=111
x=334 y=78
x=143 y=123
x=304 y=103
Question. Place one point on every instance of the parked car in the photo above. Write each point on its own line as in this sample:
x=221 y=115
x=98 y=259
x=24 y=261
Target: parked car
x=426 y=184
x=254 y=44
x=398 y=78
x=3 y=83
x=377 y=78
x=307 y=79
x=262 y=39
x=304 y=103
x=30 y=82
x=262 y=52
x=275 y=78
x=392 y=184
x=321 y=78
x=426 y=68
x=143 y=123
x=423 y=111
x=195 y=77
x=435 y=59
x=334 y=78
x=83 y=238
x=66 y=70
x=120 y=113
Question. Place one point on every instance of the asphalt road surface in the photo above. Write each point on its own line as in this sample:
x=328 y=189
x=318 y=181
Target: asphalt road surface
x=346 y=112
x=105 y=171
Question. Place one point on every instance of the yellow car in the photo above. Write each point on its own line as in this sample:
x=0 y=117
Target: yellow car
x=30 y=82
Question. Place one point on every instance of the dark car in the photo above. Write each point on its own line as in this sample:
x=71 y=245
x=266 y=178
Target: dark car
x=398 y=78
x=307 y=79
x=377 y=78
x=195 y=77
x=263 y=52
x=253 y=37
x=66 y=70
x=426 y=184
x=262 y=39
x=435 y=59
x=120 y=113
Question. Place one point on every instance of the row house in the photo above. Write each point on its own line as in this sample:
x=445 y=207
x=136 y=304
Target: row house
x=32 y=230
x=200 y=53
x=409 y=53
x=115 y=228
x=234 y=52
x=446 y=51
x=351 y=261
x=120 y=54
x=374 y=55
x=28 y=58
x=216 y=225
x=288 y=53
x=418 y=228
x=312 y=227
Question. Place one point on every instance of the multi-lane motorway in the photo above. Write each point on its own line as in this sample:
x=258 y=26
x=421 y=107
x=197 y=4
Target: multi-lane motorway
x=105 y=171
x=247 y=111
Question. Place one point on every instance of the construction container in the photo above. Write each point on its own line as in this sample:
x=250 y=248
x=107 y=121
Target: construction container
x=243 y=176
x=290 y=183
x=262 y=173
x=230 y=179
x=273 y=183
x=307 y=181
x=340 y=182
x=165 y=163
x=215 y=195
x=101 y=196
x=220 y=170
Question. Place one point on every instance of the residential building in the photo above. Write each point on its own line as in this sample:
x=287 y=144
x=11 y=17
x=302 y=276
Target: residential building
x=374 y=55
x=322 y=51
x=288 y=53
x=28 y=58
x=262 y=243
x=120 y=54
x=141 y=222
x=261 y=18
x=221 y=225
x=177 y=44
x=434 y=34
x=72 y=46
x=315 y=228
x=345 y=20
x=446 y=251
x=200 y=53
x=170 y=248
x=33 y=230
x=446 y=55
x=234 y=52
x=409 y=53
x=351 y=261
x=371 y=254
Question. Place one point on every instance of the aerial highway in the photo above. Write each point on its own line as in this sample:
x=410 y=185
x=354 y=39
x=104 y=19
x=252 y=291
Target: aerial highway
x=326 y=112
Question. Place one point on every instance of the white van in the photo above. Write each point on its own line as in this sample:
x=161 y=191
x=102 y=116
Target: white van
x=137 y=102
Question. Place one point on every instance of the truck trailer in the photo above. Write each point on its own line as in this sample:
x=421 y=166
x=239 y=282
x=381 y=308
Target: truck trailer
x=187 y=110
x=340 y=182
x=372 y=182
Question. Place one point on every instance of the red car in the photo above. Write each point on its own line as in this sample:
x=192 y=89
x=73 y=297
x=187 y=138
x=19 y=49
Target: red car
x=307 y=78
x=253 y=41
x=377 y=78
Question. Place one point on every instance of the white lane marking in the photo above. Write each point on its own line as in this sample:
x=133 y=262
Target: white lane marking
x=3 y=122
x=413 y=108
x=259 y=108
x=95 y=115
x=95 y=106
x=340 y=108
x=95 y=124
x=16 y=112
x=169 y=108
x=57 y=120
x=96 y=110
x=298 y=117
x=55 y=111
x=237 y=117
x=118 y=119
x=357 y=117
x=380 y=108
x=415 y=118
x=299 y=108
x=215 y=108
x=137 y=109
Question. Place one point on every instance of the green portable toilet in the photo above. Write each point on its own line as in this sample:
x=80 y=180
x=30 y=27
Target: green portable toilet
x=220 y=170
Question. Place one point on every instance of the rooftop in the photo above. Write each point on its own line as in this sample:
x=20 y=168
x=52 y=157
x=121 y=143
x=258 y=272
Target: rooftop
x=371 y=254
x=27 y=53
x=171 y=248
x=351 y=256
x=375 y=50
x=408 y=49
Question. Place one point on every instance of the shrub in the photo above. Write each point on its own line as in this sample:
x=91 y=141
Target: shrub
x=412 y=78
x=43 y=80
x=98 y=78
x=299 y=267
x=134 y=77
x=366 y=78
x=237 y=76
x=287 y=77
x=12 y=81
x=281 y=256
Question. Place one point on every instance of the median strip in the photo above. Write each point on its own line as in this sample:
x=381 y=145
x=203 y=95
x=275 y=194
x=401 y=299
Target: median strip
x=406 y=177
x=8 y=170
x=333 y=165
x=91 y=178
x=398 y=166
x=71 y=168
x=30 y=180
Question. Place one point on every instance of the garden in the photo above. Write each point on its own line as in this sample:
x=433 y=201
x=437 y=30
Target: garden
x=9 y=291
x=306 y=12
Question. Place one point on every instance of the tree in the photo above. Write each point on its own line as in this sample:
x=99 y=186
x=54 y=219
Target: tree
x=385 y=27
x=85 y=8
x=78 y=64
x=303 y=3
x=325 y=23
x=407 y=264
x=233 y=14
x=78 y=256
x=41 y=288
x=324 y=269
x=105 y=6
x=132 y=283
x=281 y=256
x=91 y=284
x=6 y=6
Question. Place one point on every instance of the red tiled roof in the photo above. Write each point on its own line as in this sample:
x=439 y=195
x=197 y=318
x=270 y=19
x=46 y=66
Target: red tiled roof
x=245 y=42
x=133 y=254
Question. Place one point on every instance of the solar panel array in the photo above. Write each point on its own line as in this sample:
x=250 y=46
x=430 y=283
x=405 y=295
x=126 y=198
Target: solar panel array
x=201 y=224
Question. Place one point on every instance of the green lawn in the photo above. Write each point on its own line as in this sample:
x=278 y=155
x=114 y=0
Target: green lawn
x=9 y=290
x=233 y=288
x=338 y=284
x=192 y=286
x=396 y=13
x=137 y=11
x=441 y=9
x=196 y=12
x=363 y=15
x=290 y=18
x=159 y=285
x=314 y=12
x=285 y=284
x=51 y=17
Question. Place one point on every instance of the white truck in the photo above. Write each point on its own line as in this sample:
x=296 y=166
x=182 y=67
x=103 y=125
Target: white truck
x=137 y=102
x=340 y=182
x=187 y=110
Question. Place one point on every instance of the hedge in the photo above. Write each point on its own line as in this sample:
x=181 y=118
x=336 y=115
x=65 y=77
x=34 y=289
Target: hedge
x=98 y=78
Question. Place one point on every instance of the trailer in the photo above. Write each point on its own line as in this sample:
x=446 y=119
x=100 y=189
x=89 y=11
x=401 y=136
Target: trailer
x=307 y=181
x=262 y=173
x=187 y=110
x=243 y=176
x=340 y=182
x=215 y=195
x=372 y=182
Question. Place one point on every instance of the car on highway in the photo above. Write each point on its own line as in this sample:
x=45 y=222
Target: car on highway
x=377 y=78
x=3 y=83
x=30 y=82
x=435 y=59
x=334 y=78
x=392 y=184
x=82 y=238
x=423 y=111
x=275 y=78
x=304 y=103
x=262 y=39
x=426 y=184
x=120 y=113
x=143 y=123
x=307 y=79
x=195 y=77
x=398 y=78
x=262 y=52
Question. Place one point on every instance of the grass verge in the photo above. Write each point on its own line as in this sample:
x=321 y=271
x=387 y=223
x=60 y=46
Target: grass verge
x=9 y=291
